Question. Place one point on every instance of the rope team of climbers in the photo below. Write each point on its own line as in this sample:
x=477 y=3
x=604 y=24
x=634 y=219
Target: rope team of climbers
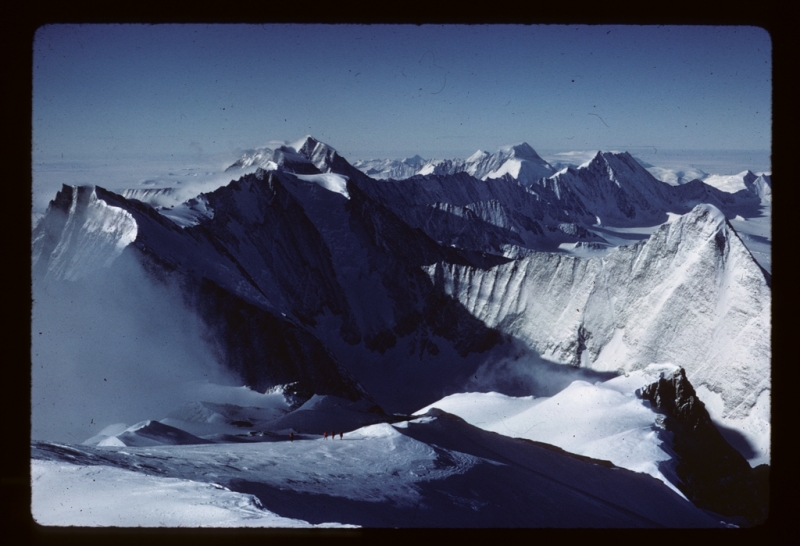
x=324 y=435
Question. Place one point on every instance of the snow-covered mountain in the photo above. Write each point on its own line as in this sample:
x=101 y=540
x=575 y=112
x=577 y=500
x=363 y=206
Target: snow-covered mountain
x=325 y=275
x=518 y=161
x=305 y=156
x=360 y=298
x=395 y=169
x=617 y=190
x=691 y=293
x=746 y=182
x=79 y=233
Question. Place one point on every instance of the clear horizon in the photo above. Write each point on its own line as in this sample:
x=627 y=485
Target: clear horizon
x=396 y=90
x=115 y=105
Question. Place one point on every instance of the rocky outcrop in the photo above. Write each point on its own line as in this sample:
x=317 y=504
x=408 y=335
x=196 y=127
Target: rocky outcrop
x=267 y=350
x=711 y=473
x=760 y=186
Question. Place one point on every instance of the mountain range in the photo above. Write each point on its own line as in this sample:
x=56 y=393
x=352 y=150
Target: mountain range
x=391 y=285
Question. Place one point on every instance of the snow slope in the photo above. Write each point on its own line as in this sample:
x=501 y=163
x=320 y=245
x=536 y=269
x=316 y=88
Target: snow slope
x=433 y=471
x=647 y=421
x=731 y=183
x=604 y=420
x=67 y=495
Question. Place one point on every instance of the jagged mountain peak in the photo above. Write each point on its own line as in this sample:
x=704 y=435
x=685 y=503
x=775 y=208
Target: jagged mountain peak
x=416 y=160
x=477 y=156
x=307 y=142
x=304 y=156
x=711 y=473
x=308 y=146
x=619 y=166
x=617 y=158
x=706 y=214
x=522 y=150
x=749 y=177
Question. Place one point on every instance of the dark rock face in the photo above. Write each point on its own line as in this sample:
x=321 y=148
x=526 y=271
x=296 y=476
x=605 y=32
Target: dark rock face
x=711 y=473
x=264 y=268
x=266 y=350
x=462 y=211
x=397 y=252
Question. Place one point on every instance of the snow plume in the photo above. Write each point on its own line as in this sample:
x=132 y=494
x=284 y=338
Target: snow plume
x=113 y=347
x=524 y=373
x=162 y=183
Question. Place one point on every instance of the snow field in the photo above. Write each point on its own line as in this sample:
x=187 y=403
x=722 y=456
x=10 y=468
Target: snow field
x=100 y=496
x=374 y=464
x=432 y=474
x=603 y=421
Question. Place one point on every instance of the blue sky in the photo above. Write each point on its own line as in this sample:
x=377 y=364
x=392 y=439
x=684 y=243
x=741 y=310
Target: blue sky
x=122 y=91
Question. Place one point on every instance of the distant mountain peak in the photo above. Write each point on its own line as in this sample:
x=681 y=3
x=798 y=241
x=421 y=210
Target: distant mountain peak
x=308 y=142
x=417 y=159
x=522 y=150
x=303 y=156
x=749 y=177
x=477 y=156
x=616 y=161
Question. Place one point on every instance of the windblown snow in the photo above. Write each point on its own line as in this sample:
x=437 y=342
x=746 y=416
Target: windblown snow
x=330 y=181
